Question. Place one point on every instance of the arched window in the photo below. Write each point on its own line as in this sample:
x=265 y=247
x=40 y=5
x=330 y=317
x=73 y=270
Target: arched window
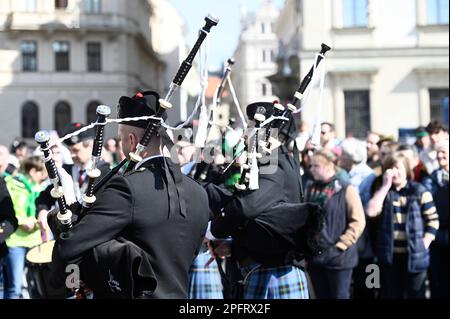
x=30 y=119
x=63 y=116
x=91 y=115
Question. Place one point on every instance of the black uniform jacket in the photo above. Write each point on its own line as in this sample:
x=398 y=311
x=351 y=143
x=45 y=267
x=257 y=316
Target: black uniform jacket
x=8 y=220
x=234 y=211
x=46 y=201
x=135 y=206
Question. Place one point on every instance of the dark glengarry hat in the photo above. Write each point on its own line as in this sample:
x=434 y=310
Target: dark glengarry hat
x=83 y=136
x=141 y=104
x=252 y=108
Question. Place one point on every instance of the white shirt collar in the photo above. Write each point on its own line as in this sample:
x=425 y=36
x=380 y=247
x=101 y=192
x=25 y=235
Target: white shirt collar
x=146 y=159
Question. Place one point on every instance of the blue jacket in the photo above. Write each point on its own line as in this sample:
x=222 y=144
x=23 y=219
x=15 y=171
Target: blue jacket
x=418 y=255
x=438 y=187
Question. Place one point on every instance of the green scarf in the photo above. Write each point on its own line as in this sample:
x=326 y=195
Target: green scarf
x=320 y=192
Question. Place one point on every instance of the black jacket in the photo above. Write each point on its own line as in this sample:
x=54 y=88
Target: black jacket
x=282 y=186
x=8 y=220
x=118 y=269
x=135 y=206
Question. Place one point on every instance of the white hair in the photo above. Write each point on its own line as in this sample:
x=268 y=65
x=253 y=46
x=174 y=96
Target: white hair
x=356 y=149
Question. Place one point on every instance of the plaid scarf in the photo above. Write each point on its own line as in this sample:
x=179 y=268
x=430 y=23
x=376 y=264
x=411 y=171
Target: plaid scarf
x=320 y=192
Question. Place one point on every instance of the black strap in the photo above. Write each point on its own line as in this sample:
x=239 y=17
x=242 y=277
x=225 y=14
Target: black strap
x=110 y=174
x=171 y=189
x=174 y=178
x=297 y=164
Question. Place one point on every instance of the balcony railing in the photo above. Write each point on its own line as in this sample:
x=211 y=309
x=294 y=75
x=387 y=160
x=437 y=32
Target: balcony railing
x=63 y=20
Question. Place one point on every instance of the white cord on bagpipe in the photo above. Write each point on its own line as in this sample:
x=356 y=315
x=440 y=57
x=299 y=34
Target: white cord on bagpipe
x=200 y=102
x=202 y=130
x=214 y=102
x=214 y=106
x=236 y=102
x=315 y=136
x=150 y=117
x=87 y=127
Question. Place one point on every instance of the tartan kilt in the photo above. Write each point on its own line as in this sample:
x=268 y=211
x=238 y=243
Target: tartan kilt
x=204 y=282
x=281 y=282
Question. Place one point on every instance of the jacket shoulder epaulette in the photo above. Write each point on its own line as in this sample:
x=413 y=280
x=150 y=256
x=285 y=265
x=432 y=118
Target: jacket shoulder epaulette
x=139 y=170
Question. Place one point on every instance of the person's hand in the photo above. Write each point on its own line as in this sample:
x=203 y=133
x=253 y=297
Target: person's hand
x=67 y=185
x=29 y=225
x=42 y=219
x=220 y=248
x=427 y=242
x=387 y=177
x=219 y=159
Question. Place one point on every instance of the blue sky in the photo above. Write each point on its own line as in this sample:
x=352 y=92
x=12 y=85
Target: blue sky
x=224 y=37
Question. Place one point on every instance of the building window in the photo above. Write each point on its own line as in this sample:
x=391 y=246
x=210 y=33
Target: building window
x=63 y=116
x=27 y=6
x=61 y=4
x=357 y=113
x=62 y=50
x=29 y=55
x=94 y=56
x=92 y=6
x=91 y=111
x=263 y=27
x=437 y=11
x=30 y=119
x=355 y=13
x=272 y=55
x=438 y=104
x=268 y=56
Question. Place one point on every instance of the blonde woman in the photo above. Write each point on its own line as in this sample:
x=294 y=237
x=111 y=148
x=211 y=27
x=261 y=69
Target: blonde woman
x=331 y=272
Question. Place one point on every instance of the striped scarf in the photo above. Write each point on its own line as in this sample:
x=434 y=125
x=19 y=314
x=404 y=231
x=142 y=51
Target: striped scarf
x=320 y=192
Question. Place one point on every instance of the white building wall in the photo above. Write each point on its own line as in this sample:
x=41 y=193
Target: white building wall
x=398 y=57
x=129 y=62
x=169 y=43
x=250 y=70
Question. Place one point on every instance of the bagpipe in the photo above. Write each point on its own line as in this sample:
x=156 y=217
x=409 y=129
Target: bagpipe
x=43 y=139
x=39 y=259
x=153 y=126
x=70 y=211
x=249 y=175
x=278 y=120
x=285 y=228
x=208 y=170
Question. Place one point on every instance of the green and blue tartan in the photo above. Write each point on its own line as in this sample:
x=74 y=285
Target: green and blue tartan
x=282 y=282
x=205 y=282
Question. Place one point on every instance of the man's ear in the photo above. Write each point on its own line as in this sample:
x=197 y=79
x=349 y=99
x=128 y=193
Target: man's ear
x=133 y=140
